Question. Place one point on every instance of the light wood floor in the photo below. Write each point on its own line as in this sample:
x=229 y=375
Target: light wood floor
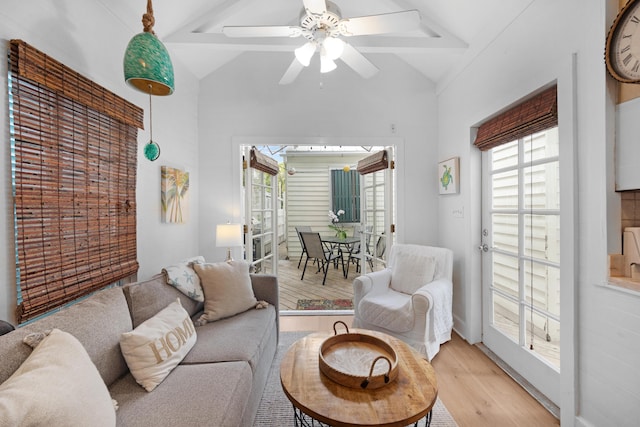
x=336 y=286
x=473 y=388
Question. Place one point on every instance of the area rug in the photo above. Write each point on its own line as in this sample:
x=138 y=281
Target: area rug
x=324 y=304
x=275 y=410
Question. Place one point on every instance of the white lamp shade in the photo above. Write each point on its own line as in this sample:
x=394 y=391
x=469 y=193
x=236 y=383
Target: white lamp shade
x=305 y=52
x=326 y=63
x=333 y=47
x=228 y=235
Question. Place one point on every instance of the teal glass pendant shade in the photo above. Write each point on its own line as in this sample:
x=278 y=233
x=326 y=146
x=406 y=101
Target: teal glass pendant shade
x=152 y=151
x=147 y=65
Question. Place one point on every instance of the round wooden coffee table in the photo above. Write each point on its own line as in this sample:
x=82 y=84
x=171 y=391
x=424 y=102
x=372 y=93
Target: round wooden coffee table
x=404 y=401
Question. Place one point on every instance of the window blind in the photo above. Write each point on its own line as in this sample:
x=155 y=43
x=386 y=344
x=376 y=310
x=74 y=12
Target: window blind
x=531 y=116
x=74 y=154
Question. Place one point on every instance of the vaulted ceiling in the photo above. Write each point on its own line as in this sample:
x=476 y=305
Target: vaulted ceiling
x=451 y=32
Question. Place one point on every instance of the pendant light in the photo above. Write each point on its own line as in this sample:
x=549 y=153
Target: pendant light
x=146 y=60
x=148 y=68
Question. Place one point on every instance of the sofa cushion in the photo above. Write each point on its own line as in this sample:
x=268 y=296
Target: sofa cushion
x=213 y=394
x=241 y=337
x=146 y=298
x=97 y=322
x=155 y=347
x=227 y=289
x=56 y=385
x=183 y=277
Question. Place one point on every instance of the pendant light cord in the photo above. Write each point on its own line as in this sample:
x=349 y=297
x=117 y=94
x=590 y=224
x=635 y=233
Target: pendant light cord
x=148 y=21
x=150 y=117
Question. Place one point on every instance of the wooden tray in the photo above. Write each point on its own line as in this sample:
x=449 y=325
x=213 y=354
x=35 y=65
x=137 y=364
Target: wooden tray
x=358 y=360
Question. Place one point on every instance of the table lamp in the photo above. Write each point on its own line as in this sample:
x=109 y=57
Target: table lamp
x=229 y=235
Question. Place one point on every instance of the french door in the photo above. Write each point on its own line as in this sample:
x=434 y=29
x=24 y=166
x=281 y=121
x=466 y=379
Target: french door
x=521 y=257
x=377 y=214
x=260 y=218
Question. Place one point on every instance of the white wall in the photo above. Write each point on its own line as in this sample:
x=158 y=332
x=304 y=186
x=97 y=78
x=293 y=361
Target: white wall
x=61 y=31
x=533 y=51
x=197 y=125
x=243 y=99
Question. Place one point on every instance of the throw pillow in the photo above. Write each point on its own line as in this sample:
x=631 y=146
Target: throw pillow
x=411 y=272
x=57 y=385
x=227 y=289
x=184 y=278
x=158 y=345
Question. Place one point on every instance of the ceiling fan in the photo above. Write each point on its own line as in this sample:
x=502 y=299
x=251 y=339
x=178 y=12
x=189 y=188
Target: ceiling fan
x=321 y=23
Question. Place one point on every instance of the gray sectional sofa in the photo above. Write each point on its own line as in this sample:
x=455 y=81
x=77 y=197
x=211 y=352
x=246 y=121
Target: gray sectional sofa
x=219 y=382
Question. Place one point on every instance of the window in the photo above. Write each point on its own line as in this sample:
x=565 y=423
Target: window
x=74 y=158
x=345 y=194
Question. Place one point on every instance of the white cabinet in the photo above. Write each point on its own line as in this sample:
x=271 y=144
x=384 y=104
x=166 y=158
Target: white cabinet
x=628 y=145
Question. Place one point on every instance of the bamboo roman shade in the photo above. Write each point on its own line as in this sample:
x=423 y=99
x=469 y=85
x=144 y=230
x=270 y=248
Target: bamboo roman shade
x=533 y=115
x=263 y=163
x=373 y=163
x=74 y=148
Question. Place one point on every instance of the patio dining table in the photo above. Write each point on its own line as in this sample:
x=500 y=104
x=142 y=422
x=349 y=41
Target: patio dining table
x=347 y=243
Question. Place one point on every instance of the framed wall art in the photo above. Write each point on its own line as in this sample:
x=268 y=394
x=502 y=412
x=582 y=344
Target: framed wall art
x=174 y=195
x=449 y=176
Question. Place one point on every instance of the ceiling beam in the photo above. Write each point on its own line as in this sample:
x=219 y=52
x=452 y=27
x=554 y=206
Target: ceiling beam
x=211 y=18
x=384 y=44
x=428 y=25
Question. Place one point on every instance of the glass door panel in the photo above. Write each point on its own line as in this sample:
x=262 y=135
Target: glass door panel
x=521 y=261
x=261 y=246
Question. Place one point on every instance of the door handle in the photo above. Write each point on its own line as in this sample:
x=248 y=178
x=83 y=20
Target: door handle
x=483 y=247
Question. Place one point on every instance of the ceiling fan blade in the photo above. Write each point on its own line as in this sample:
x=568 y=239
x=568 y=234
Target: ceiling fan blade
x=262 y=31
x=292 y=72
x=357 y=61
x=395 y=22
x=315 y=6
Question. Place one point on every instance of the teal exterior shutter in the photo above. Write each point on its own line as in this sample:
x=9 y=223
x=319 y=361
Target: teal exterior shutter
x=345 y=194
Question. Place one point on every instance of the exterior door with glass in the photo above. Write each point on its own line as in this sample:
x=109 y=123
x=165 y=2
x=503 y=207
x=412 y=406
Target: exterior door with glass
x=521 y=257
x=261 y=217
x=377 y=214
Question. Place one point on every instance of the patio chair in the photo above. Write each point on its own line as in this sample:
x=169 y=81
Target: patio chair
x=300 y=229
x=317 y=251
x=380 y=248
x=410 y=299
x=356 y=251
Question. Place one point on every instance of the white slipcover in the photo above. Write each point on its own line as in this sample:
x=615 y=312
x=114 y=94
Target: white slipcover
x=423 y=319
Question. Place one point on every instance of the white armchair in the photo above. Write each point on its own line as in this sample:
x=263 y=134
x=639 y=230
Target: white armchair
x=411 y=299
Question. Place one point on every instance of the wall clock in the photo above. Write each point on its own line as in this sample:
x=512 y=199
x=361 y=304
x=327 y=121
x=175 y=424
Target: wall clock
x=622 y=50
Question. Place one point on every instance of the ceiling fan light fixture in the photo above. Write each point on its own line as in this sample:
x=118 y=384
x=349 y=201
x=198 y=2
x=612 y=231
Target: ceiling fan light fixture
x=326 y=63
x=305 y=52
x=333 y=47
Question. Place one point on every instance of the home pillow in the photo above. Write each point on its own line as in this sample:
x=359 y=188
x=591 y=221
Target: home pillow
x=184 y=278
x=158 y=345
x=411 y=272
x=227 y=289
x=57 y=385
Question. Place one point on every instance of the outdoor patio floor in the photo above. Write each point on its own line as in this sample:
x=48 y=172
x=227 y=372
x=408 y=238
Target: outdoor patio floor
x=292 y=288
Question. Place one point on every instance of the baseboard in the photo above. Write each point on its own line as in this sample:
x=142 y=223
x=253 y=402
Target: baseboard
x=459 y=326
x=581 y=422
